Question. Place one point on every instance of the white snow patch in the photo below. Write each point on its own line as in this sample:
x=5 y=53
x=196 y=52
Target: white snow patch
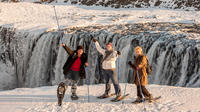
x=43 y=99
x=37 y=17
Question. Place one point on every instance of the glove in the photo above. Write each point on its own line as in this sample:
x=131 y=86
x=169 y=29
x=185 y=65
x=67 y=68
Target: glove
x=130 y=63
x=94 y=40
x=63 y=44
x=118 y=52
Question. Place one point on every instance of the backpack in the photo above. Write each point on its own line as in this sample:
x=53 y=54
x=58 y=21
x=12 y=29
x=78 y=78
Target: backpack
x=149 y=68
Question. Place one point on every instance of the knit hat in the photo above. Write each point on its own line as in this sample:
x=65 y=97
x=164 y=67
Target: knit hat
x=109 y=43
x=80 y=47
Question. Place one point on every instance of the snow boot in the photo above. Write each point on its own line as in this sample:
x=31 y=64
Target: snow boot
x=105 y=96
x=74 y=97
x=117 y=98
x=138 y=100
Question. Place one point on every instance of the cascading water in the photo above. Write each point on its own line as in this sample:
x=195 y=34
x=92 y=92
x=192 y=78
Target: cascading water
x=36 y=59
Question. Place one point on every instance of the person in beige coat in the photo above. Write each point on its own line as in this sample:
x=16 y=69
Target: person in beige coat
x=140 y=66
x=109 y=69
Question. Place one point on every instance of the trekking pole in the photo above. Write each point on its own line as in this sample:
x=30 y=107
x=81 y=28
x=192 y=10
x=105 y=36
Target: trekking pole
x=96 y=55
x=118 y=71
x=88 y=83
x=141 y=90
x=87 y=80
x=57 y=22
x=118 y=74
x=125 y=89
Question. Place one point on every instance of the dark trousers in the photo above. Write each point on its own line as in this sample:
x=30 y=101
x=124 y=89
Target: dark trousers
x=111 y=74
x=144 y=91
x=72 y=79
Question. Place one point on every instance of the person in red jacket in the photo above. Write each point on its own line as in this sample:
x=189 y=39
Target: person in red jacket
x=73 y=68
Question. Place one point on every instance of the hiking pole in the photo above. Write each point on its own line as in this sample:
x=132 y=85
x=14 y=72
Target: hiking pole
x=118 y=74
x=124 y=92
x=88 y=83
x=125 y=89
x=57 y=22
x=97 y=54
x=141 y=90
x=87 y=79
x=96 y=57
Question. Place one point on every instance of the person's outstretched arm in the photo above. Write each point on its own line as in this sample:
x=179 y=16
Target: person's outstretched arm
x=69 y=51
x=99 y=49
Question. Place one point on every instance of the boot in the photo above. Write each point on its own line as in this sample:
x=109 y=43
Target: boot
x=119 y=97
x=104 y=96
x=74 y=97
x=138 y=99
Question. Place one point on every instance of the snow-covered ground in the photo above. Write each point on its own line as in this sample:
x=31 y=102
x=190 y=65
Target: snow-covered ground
x=37 y=17
x=43 y=99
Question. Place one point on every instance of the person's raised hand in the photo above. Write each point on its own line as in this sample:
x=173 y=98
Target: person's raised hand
x=118 y=52
x=63 y=44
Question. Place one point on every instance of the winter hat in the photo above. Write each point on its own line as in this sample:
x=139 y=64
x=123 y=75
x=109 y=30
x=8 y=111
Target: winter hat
x=109 y=43
x=80 y=47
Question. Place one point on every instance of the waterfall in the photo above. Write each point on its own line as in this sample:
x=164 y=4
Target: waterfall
x=31 y=59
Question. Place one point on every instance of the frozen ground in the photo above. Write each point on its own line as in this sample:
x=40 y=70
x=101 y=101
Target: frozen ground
x=43 y=99
x=37 y=17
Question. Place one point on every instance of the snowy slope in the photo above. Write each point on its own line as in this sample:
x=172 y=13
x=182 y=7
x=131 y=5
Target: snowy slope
x=37 y=17
x=43 y=99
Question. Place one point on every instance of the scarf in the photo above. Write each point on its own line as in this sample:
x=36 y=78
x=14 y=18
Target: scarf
x=108 y=53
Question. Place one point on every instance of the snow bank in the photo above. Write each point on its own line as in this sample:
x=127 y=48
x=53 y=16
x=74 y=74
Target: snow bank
x=37 y=17
x=174 y=99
